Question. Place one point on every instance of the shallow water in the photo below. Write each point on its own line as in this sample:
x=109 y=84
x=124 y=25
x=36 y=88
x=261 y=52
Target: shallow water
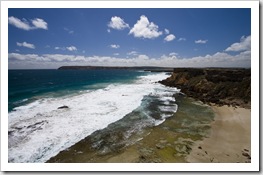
x=39 y=130
x=135 y=138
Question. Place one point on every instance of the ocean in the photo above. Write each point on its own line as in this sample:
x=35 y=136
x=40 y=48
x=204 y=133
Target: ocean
x=97 y=100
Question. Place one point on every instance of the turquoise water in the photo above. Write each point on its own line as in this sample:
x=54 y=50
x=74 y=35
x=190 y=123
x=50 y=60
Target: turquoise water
x=25 y=86
x=126 y=100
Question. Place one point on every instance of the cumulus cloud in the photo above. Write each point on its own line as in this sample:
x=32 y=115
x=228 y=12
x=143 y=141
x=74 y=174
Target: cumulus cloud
x=182 y=39
x=145 y=29
x=116 y=54
x=166 y=31
x=219 y=59
x=25 y=44
x=115 y=46
x=170 y=37
x=117 y=23
x=37 y=23
x=18 y=23
x=71 y=48
x=244 y=44
x=173 y=54
x=201 y=41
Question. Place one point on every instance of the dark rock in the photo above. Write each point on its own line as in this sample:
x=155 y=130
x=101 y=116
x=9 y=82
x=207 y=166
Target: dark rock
x=159 y=146
x=222 y=86
x=246 y=155
x=142 y=157
x=63 y=107
x=199 y=147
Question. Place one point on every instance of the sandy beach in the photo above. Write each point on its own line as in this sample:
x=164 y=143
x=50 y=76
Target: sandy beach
x=229 y=138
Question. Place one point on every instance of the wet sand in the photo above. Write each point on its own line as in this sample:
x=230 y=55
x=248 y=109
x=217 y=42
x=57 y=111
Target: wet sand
x=229 y=139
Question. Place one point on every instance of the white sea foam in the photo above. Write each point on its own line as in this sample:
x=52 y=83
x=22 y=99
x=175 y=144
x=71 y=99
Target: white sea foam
x=158 y=122
x=168 y=108
x=40 y=130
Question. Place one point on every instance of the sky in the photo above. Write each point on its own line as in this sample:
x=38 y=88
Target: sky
x=40 y=38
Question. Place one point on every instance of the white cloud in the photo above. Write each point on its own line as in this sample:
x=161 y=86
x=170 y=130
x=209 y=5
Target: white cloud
x=108 y=30
x=37 y=23
x=18 y=23
x=115 y=46
x=201 y=41
x=145 y=29
x=173 y=54
x=117 y=23
x=59 y=48
x=25 y=44
x=219 y=59
x=27 y=57
x=170 y=37
x=166 y=31
x=116 y=54
x=244 y=44
x=143 y=57
x=132 y=53
x=182 y=39
x=71 y=48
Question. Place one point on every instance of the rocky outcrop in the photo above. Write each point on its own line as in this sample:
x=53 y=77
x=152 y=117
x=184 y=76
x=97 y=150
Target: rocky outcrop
x=223 y=86
x=63 y=107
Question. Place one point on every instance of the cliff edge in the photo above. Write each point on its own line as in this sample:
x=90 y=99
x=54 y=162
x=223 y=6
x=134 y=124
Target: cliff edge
x=223 y=86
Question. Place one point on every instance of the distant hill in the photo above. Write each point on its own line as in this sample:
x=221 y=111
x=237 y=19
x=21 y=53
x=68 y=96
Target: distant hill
x=144 y=68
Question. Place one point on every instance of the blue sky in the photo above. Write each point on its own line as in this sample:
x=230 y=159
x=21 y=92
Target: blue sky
x=50 y=38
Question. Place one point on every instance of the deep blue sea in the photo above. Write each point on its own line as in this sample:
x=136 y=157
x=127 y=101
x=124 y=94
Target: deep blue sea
x=25 y=86
x=96 y=99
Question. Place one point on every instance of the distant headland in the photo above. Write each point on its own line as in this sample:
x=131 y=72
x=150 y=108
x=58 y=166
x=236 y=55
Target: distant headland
x=144 y=68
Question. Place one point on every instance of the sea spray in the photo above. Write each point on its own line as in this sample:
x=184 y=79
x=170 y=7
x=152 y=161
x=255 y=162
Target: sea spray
x=40 y=130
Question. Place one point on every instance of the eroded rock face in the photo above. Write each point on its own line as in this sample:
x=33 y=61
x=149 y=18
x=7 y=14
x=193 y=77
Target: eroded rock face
x=223 y=86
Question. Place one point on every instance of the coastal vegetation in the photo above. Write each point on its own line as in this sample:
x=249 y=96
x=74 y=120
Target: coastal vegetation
x=222 y=86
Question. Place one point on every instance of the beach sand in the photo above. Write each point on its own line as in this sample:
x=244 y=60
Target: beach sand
x=229 y=139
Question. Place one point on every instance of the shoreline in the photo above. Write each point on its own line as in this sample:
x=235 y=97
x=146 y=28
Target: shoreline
x=229 y=140
x=201 y=139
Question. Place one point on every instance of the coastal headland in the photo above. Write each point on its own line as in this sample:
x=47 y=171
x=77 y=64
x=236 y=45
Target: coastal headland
x=142 y=68
x=212 y=123
x=222 y=86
